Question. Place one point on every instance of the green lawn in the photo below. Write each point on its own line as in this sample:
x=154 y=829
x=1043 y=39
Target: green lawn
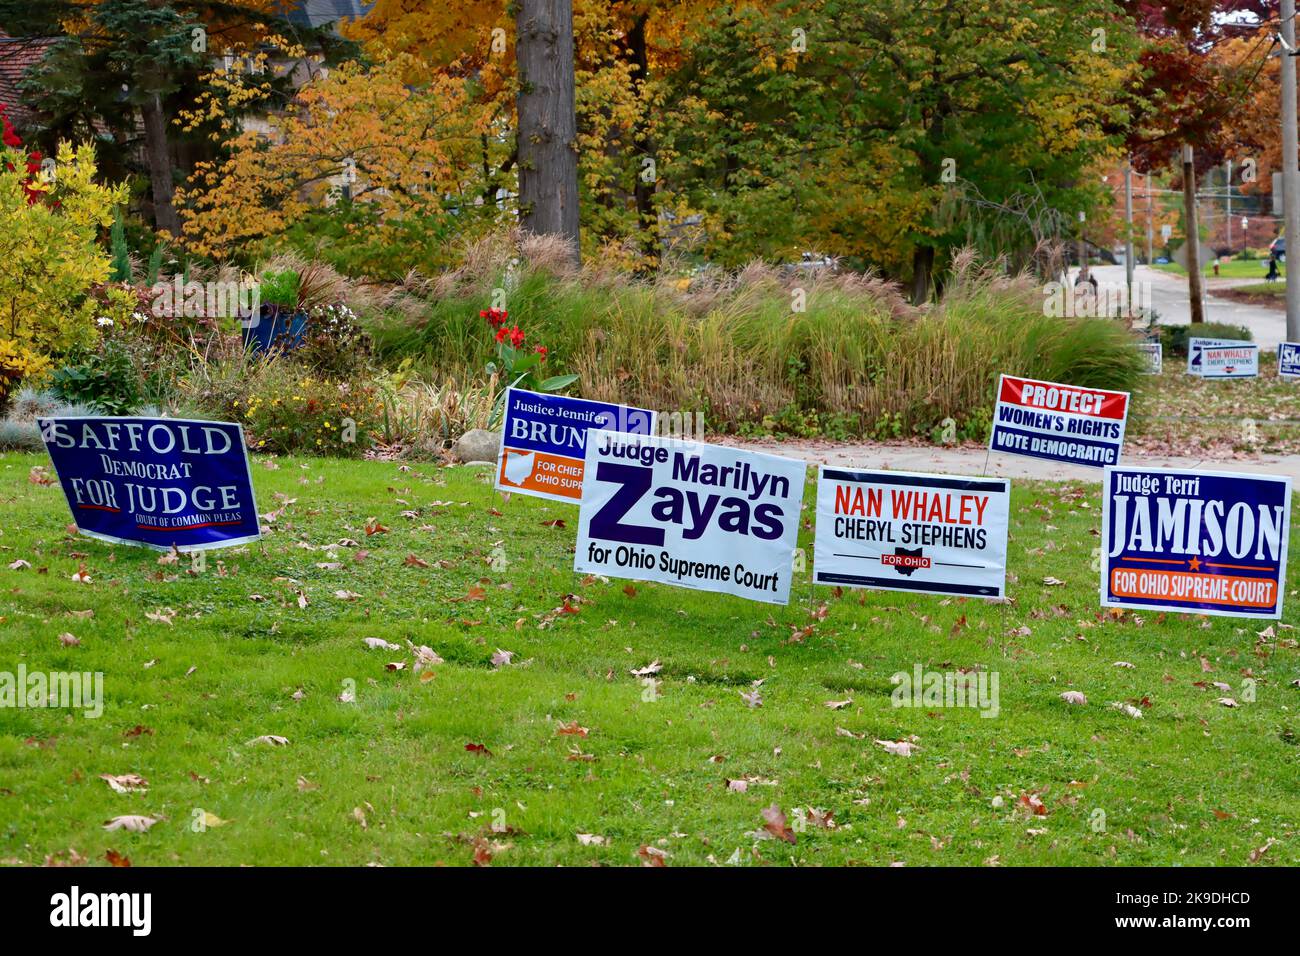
x=1180 y=414
x=1263 y=288
x=1229 y=269
x=388 y=777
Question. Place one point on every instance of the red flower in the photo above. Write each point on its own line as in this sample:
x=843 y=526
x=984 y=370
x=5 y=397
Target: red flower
x=541 y=350
x=495 y=317
x=501 y=334
x=516 y=337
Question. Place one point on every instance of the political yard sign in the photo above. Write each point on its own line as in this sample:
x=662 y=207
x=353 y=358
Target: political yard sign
x=1288 y=360
x=1154 y=353
x=685 y=513
x=1222 y=358
x=1204 y=542
x=543 y=440
x=156 y=482
x=900 y=531
x=1083 y=426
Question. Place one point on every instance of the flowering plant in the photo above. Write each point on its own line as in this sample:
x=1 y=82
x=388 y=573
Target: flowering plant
x=517 y=365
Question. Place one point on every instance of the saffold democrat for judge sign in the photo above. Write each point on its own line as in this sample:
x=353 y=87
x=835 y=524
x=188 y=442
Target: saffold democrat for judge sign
x=1084 y=426
x=157 y=482
x=901 y=531
x=695 y=515
x=1206 y=542
x=543 y=440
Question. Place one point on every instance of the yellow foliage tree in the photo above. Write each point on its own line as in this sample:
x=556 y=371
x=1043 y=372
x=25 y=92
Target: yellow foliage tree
x=49 y=248
x=408 y=150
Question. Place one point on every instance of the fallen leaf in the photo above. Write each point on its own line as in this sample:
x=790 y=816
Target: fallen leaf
x=126 y=782
x=134 y=823
x=900 y=747
x=774 y=822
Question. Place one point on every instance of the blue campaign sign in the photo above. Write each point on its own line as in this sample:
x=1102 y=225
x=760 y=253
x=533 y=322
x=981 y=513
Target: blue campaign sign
x=1204 y=542
x=155 y=482
x=544 y=440
x=1288 y=360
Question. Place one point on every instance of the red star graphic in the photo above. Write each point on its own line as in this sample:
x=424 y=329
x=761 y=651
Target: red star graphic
x=1195 y=564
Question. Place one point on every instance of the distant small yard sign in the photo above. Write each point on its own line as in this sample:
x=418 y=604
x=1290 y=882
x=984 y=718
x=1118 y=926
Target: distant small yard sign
x=1218 y=359
x=1288 y=360
x=1154 y=353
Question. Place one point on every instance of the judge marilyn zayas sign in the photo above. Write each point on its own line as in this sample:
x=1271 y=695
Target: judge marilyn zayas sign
x=157 y=482
x=1206 y=542
x=695 y=515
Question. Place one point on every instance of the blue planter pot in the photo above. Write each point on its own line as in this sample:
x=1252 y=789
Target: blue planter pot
x=277 y=327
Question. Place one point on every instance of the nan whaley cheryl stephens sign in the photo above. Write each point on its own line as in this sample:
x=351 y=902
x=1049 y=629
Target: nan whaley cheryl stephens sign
x=543 y=440
x=690 y=514
x=156 y=482
x=901 y=531
x=1083 y=426
x=1205 y=542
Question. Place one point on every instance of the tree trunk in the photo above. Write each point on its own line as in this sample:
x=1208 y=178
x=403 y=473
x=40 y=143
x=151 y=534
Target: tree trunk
x=160 y=165
x=1193 y=246
x=922 y=268
x=548 y=124
x=646 y=177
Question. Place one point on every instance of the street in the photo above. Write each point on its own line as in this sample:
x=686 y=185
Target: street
x=1170 y=300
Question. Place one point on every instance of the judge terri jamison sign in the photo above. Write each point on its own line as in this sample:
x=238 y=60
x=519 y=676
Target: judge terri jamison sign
x=1200 y=541
x=155 y=482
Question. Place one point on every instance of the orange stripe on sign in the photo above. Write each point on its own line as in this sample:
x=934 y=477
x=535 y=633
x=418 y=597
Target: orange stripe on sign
x=1239 y=567
x=538 y=471
x=1157 y=584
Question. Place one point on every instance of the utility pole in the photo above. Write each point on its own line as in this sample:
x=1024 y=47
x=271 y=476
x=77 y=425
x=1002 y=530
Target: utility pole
x=1290 y=167
x=1193 y=246
x=1128 y=233
x=1228 y=221
x=1083 y=249
x=1151 y=224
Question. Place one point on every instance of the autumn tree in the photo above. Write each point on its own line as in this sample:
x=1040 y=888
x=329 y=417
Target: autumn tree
x=359 y=136
x=890 y=131
x=1186 y=91
x=115 y=60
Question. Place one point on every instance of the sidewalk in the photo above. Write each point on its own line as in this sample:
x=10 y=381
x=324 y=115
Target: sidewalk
x=970 y=461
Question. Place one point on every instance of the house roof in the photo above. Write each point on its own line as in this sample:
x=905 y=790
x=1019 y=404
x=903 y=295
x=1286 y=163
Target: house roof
x=17 y=56
x=318 y=13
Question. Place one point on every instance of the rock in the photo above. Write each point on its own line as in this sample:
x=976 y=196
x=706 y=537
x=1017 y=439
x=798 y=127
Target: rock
x=476 y=445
